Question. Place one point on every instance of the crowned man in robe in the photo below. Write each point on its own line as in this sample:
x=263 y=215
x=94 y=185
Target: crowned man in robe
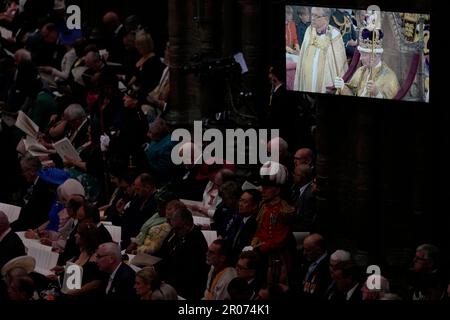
x=322 y=55
x=374 y=78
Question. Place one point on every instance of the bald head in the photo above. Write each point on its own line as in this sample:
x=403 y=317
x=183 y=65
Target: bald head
x=111 y=20
x=303 y=156
x=4 y=222
x=314 y=247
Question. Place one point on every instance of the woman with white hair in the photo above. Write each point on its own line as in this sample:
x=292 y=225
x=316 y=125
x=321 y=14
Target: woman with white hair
x=149 y=286
x=58 y=215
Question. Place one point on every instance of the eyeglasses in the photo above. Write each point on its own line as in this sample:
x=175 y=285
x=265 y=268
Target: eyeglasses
x=314 y=16
x=99 y=256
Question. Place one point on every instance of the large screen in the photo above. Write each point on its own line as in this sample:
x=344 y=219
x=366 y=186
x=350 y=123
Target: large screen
x=365 y=53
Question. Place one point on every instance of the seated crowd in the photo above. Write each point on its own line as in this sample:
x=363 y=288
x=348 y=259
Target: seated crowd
x=107 y=94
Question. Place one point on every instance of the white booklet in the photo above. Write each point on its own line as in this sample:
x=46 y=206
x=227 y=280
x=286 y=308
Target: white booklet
x=210 y=236
x=189 y=203
x=35 y=148
x=5 y=33
x=12 y=212
x=27 y=125
x=201 y=220
x=45 y=259
x=248 y=185
x=64 y=148
x=115 y=232
x=144 y=260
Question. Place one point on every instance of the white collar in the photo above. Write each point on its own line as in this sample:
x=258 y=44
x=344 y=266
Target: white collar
x=118 y=29
x=277 y=87
x=114 y=272
x=302 y=189
x=350 y=292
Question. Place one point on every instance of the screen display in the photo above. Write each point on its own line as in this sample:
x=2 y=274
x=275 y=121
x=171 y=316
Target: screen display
x=365 y=53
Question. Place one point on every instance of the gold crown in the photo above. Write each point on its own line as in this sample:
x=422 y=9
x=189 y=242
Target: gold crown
x=371 y=40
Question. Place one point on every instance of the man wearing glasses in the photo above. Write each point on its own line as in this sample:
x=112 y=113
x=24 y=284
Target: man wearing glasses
x=120 y=285
x=322 y=54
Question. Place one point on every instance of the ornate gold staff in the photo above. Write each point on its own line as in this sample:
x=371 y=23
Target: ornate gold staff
x=338 y=91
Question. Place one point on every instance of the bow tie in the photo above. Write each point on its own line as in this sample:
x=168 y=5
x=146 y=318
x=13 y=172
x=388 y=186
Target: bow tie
x=321 y=33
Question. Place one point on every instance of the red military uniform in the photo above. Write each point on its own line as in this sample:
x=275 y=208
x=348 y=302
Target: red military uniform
x=274 y=228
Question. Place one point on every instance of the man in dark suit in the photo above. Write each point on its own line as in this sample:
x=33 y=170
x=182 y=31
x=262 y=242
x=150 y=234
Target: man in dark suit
x=10 y=244
x=348 y=284
x=305 y=202
x=187 y=183
x=248 y=208
x=141 y=208
x=282 y=113
x=38 y=200
x=315 y=274
x=248 y=267
x=114 y=34
x=183 y=263
x=120 y=285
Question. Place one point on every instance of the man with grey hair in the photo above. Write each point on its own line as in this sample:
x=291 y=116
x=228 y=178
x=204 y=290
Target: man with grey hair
x=426 y=258
x=37 y=200
x=120 y=284
x=22 y=55
x=73 y=125
x=10 y=244
x=280 y=145
x=339 y=260
x=425 y=266
x=322 y=54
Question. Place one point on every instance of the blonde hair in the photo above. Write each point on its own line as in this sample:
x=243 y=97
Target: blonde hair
x=145 y=41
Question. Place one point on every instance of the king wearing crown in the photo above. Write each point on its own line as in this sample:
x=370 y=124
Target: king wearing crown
x=374 y=78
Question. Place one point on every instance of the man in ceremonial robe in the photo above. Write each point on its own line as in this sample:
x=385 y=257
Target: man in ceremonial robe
x=374 y=78
x=322 y=55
